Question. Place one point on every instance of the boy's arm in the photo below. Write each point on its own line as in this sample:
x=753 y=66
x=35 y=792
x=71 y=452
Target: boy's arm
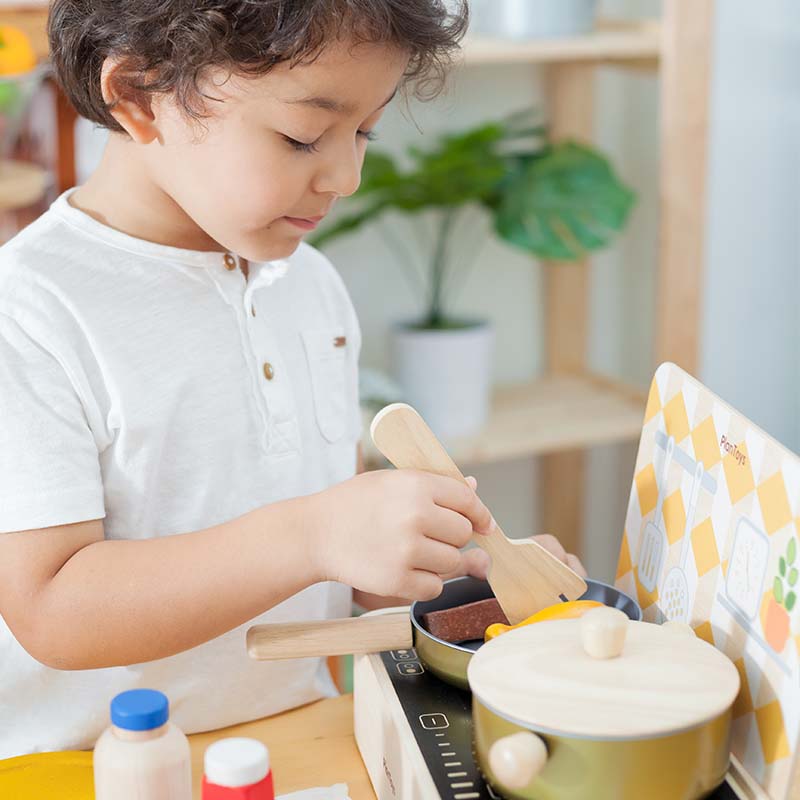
x=77 y=601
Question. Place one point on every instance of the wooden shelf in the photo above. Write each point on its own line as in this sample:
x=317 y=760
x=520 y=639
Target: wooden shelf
x=611 y=41
x=551 y=414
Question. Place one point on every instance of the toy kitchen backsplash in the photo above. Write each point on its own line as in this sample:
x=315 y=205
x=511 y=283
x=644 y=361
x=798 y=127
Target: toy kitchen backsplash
x=711 y=538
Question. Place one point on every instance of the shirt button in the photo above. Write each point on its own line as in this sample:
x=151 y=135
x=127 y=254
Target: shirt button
x=269 y=372
x=230 y=262
x=253 y=310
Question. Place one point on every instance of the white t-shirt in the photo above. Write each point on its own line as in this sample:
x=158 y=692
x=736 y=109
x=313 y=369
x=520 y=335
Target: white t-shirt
x=134 y=388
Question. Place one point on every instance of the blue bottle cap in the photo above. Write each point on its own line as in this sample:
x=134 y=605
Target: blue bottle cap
x=140 y=710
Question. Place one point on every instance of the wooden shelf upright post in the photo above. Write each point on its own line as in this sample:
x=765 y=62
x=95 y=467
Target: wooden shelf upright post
x=686 y=52
x=570 y=103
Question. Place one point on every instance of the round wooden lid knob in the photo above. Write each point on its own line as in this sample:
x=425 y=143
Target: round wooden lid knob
x=603 y=632
x=517 y=759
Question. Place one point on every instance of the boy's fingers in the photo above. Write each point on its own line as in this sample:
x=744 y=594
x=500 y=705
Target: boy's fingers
x=454 y=495
x=448 y=526
x=477 y=563
x=474 y=562
x=573 y=562
x=551 y=544
x=473 y=482
x=437 y=557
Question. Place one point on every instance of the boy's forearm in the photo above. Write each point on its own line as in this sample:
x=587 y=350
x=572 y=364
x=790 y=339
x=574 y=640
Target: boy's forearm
x=125 y=602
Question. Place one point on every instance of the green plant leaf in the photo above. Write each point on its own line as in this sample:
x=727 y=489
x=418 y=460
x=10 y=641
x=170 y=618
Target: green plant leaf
x=563 y=204
x=791 y=598
x=793 y=576
x=777 y=590
x=782 y=566
x=791 y=551
x=556 y=201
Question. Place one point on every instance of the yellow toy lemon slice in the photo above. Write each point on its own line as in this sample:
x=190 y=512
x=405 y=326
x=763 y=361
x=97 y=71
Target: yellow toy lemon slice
x=568 y=610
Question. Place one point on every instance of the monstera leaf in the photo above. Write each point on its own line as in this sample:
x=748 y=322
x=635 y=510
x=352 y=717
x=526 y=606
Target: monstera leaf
x=561 y=204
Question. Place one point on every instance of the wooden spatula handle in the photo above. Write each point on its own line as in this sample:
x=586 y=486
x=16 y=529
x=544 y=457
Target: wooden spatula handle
x=401 y=434
x=332 y=637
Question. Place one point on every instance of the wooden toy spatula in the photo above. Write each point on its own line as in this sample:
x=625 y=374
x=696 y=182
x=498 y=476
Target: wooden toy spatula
x=524 y=576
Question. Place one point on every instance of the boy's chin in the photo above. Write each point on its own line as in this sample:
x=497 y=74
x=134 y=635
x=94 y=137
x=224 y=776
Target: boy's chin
x=273 y=251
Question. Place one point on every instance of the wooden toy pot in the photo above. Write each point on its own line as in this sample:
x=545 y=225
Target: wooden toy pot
x=602 y=707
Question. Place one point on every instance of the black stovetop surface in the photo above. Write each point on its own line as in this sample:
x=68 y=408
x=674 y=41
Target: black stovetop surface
x=440 y=717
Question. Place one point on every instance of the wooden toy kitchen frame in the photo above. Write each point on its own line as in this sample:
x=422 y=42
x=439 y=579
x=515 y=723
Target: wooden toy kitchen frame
x=711 y=539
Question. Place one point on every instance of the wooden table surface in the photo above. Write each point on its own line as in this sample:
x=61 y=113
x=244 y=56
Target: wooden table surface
x=309 y=746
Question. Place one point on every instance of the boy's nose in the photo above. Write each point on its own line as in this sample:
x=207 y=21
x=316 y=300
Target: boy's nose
x=342 y=176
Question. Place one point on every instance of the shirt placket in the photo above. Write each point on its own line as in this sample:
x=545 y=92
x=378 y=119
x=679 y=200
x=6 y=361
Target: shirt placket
x=269 y=375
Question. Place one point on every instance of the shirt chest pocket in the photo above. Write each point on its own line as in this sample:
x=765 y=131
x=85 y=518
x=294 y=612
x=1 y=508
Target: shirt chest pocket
x=329 y=370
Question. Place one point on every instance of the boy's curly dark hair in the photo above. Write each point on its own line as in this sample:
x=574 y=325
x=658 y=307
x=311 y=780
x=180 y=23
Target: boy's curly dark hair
x=166 y=45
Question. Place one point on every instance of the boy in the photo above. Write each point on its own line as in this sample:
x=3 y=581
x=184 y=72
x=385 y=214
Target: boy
x=178 y=372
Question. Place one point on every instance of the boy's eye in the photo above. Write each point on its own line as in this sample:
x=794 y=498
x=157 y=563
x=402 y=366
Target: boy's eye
x=312 y=147
x=303 y=147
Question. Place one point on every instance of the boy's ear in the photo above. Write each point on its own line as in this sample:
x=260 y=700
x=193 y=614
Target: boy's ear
x=131 y=109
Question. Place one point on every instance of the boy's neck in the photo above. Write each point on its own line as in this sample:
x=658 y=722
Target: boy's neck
x=121 y=194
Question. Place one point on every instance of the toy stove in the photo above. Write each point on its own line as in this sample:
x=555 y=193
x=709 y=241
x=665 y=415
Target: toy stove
x=415 y=732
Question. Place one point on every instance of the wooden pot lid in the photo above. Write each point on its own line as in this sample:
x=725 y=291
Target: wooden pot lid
x=664 y=681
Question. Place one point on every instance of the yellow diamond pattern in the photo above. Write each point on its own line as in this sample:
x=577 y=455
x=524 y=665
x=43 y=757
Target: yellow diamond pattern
x=774 y=743
x=645 y=598
x=738 y=475
x=624 y=563
x=774 y=503
x=705 y=632
x=653 y=403
x=675 y=418
x=647 y=490
x=706 y=443
x=704 y=546
x=674 y=517
x=744 y=702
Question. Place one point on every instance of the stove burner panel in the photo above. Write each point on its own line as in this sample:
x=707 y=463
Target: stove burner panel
x=440 y=717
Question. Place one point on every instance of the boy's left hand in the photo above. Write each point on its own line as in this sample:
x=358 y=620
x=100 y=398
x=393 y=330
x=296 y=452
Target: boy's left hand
x=475 y=562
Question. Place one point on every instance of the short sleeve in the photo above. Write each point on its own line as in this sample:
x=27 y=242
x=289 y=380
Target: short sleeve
x=49 y=465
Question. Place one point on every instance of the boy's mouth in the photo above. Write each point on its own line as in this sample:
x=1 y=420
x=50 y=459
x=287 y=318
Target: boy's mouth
x=305 y=223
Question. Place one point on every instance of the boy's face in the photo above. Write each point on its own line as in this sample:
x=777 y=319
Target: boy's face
x=274 y=156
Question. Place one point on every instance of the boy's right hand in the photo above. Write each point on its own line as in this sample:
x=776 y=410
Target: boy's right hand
x=395 y=532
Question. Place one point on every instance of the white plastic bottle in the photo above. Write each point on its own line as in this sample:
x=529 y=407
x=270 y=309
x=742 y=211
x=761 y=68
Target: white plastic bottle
x=142 y=755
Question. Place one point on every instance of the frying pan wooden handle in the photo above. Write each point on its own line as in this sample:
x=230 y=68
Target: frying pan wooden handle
x=332 y=637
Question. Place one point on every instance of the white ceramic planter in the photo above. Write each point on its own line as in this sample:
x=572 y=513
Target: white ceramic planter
x=532 y=19
x=446 y=375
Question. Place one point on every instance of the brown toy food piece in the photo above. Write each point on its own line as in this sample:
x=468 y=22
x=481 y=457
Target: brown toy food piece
x=464 y=623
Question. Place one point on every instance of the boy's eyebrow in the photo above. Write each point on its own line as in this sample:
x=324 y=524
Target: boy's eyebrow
x=329 y=104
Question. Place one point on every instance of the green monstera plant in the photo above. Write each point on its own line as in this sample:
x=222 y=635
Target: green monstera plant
x=554 y=200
